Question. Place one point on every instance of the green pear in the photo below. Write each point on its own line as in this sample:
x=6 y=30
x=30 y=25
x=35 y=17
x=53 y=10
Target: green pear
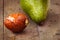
x=36 y=9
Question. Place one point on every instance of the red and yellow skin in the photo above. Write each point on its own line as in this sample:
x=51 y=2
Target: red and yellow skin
x=16 y=22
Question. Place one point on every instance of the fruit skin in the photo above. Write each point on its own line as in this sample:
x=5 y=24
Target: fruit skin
x=36 y=9
x=16 y=22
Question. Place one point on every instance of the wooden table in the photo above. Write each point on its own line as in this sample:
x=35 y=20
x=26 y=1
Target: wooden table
x=49 y=30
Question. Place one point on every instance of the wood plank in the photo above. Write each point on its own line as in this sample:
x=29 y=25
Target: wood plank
x=1 y=19
x=52 y=24
x=46 y=32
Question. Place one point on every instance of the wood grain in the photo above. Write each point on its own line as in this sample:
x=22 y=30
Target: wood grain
x=1 y=19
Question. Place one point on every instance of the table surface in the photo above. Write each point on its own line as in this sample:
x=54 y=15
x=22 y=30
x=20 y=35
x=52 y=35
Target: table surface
x=49 y=30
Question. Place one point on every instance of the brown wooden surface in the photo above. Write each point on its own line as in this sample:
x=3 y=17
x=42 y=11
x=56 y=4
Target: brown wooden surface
x=1 y=19
x=48 y=31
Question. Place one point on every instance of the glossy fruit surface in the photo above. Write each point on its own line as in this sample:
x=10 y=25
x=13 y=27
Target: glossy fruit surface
x=16 y=22
x=36 y=9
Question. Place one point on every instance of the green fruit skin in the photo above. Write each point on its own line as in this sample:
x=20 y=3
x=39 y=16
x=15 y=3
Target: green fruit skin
x=36 y=9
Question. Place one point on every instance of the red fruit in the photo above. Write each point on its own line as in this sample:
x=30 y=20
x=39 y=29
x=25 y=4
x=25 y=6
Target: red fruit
x=16 y=22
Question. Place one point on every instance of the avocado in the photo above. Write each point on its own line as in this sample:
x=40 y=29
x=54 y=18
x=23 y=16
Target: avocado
x=36 y=9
